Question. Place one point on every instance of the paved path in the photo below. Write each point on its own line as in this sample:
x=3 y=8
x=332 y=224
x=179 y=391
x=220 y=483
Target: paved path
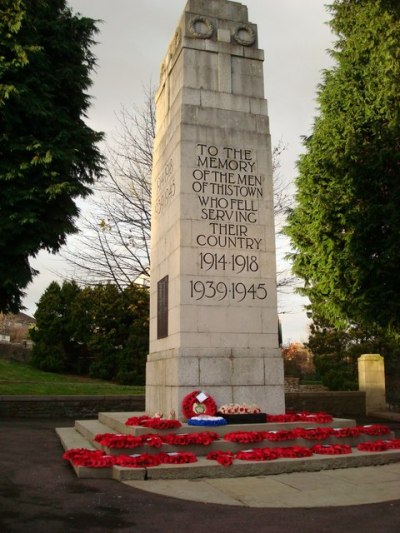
x=40 y=493
x=352 y=486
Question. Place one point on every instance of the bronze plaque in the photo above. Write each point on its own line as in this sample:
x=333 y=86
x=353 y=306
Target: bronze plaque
x=162 y=308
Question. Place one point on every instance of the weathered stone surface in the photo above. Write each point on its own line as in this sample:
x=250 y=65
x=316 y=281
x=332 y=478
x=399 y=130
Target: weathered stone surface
x=212 y=218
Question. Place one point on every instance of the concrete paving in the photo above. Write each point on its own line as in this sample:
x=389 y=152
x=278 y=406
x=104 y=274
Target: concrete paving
x=328 y=488
x=40 y=492
x=350 y=486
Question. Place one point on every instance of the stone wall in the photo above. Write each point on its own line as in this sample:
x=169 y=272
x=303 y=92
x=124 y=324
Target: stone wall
x=343 y=403
x=15 y=352
x=339 y=404
x=67 y=406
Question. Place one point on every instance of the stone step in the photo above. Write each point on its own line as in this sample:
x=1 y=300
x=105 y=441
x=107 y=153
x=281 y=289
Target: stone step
x=90 y=428
x=204 y=468
x=82 y=436
x=71 y=438
x=116 y=421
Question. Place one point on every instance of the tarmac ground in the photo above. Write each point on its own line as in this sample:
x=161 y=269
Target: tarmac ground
x=39 y=492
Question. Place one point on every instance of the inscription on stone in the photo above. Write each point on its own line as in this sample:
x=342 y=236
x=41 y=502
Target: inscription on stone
x=229 y=192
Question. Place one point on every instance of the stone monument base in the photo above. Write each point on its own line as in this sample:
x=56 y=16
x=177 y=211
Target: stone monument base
x=228 y=375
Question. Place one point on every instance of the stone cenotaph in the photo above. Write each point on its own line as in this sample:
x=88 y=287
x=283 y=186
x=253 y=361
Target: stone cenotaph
x=213 y=318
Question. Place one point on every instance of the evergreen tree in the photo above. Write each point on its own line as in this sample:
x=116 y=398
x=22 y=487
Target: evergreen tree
x=48 y=155
x=97 y=331
x=346 y=225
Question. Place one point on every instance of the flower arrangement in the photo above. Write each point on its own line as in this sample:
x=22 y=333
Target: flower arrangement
x=331 y=449
x=222 y=458
x=153 y=423
x=346 y=432
x=304 y=416
x=88 y=458
x=313 y=433
x=280 y=435
x=113 y=440
x=374 y=430
x=205 y=438
x=245 y=436
x=293 y=452
x=198 y=403
x=226 y=458
x=97 y=459
x=207 y=420
x=238 y=408
x=379 y=445
x=258 y=454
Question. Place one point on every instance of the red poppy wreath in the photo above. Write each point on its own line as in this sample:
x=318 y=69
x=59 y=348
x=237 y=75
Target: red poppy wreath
x=198 y=403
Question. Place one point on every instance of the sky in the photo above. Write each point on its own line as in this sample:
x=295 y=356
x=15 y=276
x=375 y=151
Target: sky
x=132 y=42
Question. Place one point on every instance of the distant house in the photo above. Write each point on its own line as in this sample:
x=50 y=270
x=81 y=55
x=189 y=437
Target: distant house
x=14 y=328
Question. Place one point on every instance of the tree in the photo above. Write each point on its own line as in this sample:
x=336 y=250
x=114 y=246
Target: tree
x=297 y=359
x=48 y=155
x=336 y=351
x=114 y=241
x=345 y=226
x=55 y=348
x=97 y=331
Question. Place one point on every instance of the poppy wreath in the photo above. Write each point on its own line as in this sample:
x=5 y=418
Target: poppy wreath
x=112 y=440
x=222 y=458
x=136 y=420
x=142 y=460
x=177 y=458
x=152 y=439
x=340 y=433
x=245 y=436
x=374 y=430
x=319 y=418
x=205 y=438
x=304 y=416
x=293 y=452
x=191 y=406
x=258 y=454
x=313 y=433
x=88 y=458
x=281 y=435
x=289 y=417
x=373 y=446
x=331 y=449
x=153 y=423
x=393 y=444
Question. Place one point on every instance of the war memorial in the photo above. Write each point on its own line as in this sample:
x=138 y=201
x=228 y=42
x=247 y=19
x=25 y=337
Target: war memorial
x=214 y=359
x=213 y=322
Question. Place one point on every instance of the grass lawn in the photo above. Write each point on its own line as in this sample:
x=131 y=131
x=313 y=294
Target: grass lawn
x=21 y=378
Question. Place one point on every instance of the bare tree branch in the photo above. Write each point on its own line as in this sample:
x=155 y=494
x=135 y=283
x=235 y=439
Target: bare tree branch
x=114 y=241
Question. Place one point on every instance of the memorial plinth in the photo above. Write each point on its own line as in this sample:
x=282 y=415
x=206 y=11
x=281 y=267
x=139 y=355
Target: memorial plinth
x=213 y=309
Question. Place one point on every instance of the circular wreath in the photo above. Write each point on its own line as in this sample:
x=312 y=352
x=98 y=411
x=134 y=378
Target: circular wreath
x=206 y=420
x=192 y=407
x=250 y=35
x=209 y=28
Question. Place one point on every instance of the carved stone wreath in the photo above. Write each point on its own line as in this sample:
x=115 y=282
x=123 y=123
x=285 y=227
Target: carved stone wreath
x=204 y=33
x=244 y=35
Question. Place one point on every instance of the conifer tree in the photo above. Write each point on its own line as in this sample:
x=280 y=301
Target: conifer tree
x=346 y=224
x=48 y=155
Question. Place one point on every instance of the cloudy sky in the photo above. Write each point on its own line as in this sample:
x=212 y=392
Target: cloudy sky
x=132 y=42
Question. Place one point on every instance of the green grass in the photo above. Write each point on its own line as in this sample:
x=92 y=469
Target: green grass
x=21 y=378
